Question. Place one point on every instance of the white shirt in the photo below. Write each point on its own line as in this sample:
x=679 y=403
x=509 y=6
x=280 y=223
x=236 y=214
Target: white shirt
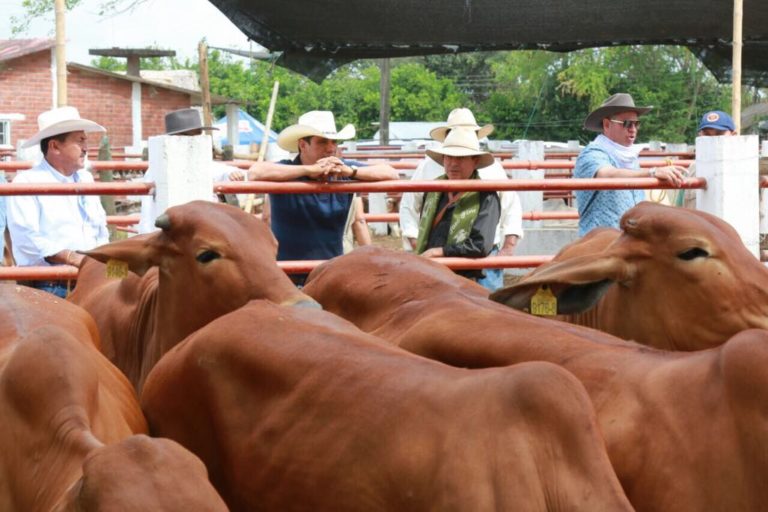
x=510 y=223
x=42 y=226
x=149 y=210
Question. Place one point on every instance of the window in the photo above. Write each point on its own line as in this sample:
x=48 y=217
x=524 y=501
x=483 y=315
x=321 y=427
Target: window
x=5 y=132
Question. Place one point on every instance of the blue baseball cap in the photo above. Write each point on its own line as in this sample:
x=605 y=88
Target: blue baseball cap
x=718 y=120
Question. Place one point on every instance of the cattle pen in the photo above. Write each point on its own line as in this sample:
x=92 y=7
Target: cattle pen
x=727 y=196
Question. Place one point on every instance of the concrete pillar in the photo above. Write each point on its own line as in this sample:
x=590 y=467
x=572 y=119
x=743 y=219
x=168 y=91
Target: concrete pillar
x=179 y=166
x=534 y=200
x=233 y=135
x=136 y=114
x=377 y=203
x=730 y=166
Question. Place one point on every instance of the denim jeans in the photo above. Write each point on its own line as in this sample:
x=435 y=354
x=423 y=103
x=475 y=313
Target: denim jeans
x=58 y=288
x=494 y=277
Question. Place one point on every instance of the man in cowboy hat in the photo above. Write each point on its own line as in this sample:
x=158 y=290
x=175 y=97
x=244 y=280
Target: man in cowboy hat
x=311 y=226
x=48 y=230
x=459 y=224
x=186 y=122
x=510 y=227
x=612 y=155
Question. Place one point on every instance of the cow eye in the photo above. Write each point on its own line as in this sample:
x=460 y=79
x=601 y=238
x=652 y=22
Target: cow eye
x=693 y=253
x=207 y=256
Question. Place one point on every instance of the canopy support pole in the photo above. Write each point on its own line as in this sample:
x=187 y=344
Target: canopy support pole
x=738 y=17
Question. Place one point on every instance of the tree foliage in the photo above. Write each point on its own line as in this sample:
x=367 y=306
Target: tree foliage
x=527 y=94
x=351 y=92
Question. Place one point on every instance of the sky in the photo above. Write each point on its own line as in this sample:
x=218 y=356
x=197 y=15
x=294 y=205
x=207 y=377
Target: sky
x=149 y=24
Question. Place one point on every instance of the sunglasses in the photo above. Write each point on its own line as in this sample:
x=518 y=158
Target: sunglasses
x=627 y=124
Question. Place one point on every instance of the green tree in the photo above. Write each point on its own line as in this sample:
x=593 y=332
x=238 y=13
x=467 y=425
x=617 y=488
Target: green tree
x=542 y=95
x=470 y=72
x=351 y=92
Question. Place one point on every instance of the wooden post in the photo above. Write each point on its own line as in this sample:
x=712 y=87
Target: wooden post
x=738 y=17
x=264 y=142
x=384 y=94
x=61 y=54
x=105 y=154
x=205 y=85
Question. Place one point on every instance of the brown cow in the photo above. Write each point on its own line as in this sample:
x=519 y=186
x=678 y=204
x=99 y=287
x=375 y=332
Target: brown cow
x=139 y=474
x=685 y=431
x=296 y=410
x=675 y=279
x=64 y=406
x=213 y=258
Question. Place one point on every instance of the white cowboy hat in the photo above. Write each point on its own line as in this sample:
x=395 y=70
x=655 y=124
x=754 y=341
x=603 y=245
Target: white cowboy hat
x=460 y=118
x=616 y=104
x=461 y=142
x=317 y=123
x=61 y=120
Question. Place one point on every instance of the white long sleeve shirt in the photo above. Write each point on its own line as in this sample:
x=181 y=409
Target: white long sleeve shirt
x=511 y=222
x=42 y=226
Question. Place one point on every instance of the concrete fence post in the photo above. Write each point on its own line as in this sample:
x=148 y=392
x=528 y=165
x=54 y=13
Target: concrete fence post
x=677 y=148
x=534 y=200
x=233 y=124
x=730 y=166
x=179 y=167
x=377 y=203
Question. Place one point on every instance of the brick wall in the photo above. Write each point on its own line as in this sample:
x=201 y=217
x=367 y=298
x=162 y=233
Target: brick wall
x=26 y=87
x=155 y=103
x=104 y=100
x=108 y=101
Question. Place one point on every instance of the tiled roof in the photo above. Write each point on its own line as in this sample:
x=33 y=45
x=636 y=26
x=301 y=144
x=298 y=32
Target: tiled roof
x=15 y=48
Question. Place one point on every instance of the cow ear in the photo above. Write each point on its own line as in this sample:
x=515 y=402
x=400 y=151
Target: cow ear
x=140 y=252
x=577 y=284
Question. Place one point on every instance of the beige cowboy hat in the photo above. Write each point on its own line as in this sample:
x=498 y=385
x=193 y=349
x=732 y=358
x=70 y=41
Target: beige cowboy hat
x=317 y=123
x=460 y=118
x=616 y=104
x=61 y=120
x=461 y=142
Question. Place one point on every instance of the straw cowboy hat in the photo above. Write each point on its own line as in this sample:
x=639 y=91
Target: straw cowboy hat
x=460 y=118
x=317 y=123
x=461 y=142
x=184 y=120
x=61 y=120
x=616 y=104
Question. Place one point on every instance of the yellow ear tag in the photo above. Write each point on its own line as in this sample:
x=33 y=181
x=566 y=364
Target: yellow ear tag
x=117 y=269
x=544 y=302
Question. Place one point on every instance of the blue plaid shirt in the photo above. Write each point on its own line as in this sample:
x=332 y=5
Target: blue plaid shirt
x=604 y=207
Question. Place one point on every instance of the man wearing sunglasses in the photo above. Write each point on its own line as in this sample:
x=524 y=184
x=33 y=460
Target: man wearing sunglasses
x=612 y=155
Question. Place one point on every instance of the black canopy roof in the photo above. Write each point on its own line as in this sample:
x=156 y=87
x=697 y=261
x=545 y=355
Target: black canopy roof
x=316 y=36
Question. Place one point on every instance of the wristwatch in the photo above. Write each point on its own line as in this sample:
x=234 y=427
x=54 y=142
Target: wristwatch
x=354 y=170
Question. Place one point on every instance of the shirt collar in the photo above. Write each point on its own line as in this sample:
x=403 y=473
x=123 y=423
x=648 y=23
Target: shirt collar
x=56 y=174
